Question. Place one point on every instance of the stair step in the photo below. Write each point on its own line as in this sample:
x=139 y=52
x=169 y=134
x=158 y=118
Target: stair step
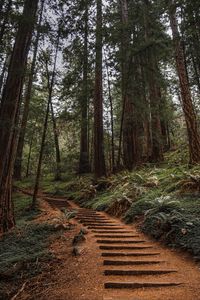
x=111 y=231
x=125 y=247
x=120 y=242
x=136 y=285
x=137 y=272
x=92 y=219
x=116 y=236
x=114 y=254
x=104 y=227
x=97 y=222
x=130 y=262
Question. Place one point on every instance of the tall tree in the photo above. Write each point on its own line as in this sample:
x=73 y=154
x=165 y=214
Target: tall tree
x=188 y=108
x=10 y=110
x=128 y=130
x=84 y=165
x=50 y=85
x=99 y=159
x=28 y=94
x=153 y=85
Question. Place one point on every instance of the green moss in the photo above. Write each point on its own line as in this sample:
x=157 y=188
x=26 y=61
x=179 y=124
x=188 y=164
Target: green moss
x=25 y=244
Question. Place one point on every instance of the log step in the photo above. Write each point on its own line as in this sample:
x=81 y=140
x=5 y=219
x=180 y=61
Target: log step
x=92 y=219
x=137 y=272
x=125 y=247
x=111 y=231
x=116 y=254
x=104 y=227
x=97 y=222
x=130 y=262
x=116 y=236
x=137 y=285
x=120 y=242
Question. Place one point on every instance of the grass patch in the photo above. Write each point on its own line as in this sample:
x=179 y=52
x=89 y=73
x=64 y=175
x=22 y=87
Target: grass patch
x=25 y=245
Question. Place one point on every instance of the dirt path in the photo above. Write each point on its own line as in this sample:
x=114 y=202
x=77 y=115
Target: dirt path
x=117 y=262
x=120 y=263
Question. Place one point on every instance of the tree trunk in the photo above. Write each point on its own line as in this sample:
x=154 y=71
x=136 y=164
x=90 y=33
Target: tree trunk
x=50 y=84
x=84 y=165
x=154 y=89
x=29 y=155
x=57 y=147
x=99 y=159
x=28 y=95
x=9 y=112
x=128 y=130
x=111 y=120
x=188 y=108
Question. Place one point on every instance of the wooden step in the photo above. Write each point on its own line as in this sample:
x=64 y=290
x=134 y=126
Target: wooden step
x=92 y=219
x=136 y=285
x=116 y=236
x=137 y=272
x=112 y=231
x=134 y=254
x=130 y=262
x=97 y=222
x=125 y=247
x=120 y=242
x=105 y=227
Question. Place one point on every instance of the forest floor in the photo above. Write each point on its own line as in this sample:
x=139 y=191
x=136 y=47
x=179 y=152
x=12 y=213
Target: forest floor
x=65 y=276
x=161 y=204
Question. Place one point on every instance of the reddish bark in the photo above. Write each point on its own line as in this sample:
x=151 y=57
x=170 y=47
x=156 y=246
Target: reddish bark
x=9 y=112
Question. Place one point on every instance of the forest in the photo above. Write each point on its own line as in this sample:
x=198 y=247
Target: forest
x=99 y=149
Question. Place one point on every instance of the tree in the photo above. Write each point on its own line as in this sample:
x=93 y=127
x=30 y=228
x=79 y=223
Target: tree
x=28 y=94
x=99 y=159
x=50 y=85
x=9 y=111
x=84 y=165
x=188 y=108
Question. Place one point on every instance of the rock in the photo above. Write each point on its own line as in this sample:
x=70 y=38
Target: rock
x=84 y=231
x=79 y=238
x=77 y=251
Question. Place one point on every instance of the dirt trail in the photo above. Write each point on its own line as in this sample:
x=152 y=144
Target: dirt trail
x=120 y=263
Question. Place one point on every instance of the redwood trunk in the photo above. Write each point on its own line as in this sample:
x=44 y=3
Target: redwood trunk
x=99 y=159
x=188 y=108
x=28 y=95
x=84 y=165
x=50 y=88
x=10 y=109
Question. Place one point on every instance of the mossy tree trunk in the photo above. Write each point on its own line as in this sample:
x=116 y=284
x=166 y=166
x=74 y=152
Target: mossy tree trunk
x=188 y=108
x=99 y=159
x=28 y=94
x=84 y=164
x=9 y=111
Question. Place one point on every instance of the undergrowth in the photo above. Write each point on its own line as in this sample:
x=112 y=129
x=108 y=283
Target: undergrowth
x=24 y=250
x=165 y=199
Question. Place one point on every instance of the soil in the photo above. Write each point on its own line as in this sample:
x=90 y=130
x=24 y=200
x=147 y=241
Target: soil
x=82 y=277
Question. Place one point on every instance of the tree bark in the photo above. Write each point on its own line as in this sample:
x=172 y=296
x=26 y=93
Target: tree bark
x=50 y=84
x=9 y=111
x=154 y=89
x=188 y=108
x=128 y=130
x=28 y=95
x=29 y=155
x=84 y=165
x=111 y=120
x=99 y=159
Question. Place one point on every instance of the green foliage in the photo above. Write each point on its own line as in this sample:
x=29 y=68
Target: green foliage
x=25 y=245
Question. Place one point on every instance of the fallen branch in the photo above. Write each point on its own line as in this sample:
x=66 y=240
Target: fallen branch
x=20 y=291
